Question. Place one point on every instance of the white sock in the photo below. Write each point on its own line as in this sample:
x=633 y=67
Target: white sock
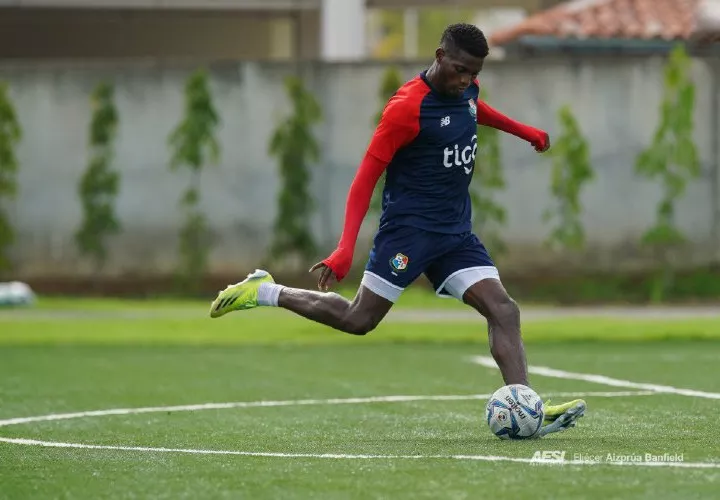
x=269 y=293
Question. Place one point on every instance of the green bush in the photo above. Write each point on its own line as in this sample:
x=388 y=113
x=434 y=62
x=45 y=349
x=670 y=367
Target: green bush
x=295 y=147
x=99 y=184
x=10 y=135
x=673 y=160
x=194 y=146
x=489 y=215
x=571 y=171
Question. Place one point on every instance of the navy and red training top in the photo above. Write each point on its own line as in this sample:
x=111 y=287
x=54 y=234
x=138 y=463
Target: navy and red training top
x=427 y=143
x=430 y=144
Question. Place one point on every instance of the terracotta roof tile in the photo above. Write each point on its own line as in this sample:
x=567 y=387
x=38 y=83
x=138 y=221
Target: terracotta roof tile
x=627 y=19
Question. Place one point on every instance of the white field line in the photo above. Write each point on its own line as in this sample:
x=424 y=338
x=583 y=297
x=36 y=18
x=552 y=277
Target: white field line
x=648 y=389
x=602 y=379
x=482 y=458
x=296 y=402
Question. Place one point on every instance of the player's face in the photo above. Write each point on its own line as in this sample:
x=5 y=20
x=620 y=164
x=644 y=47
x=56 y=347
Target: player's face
x=458 y=69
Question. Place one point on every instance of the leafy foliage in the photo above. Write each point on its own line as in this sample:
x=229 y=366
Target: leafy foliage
x=194 y=146
x=10 y=135
x=489 y=216
x=99 y=184
x=295 y=146
x=432 y=21
x=673 y=159
x=571 y=170
x=391 y=82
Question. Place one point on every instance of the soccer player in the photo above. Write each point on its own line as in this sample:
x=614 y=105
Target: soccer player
x=426 y=143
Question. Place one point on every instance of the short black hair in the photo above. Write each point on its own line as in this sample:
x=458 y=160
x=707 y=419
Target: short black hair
x=465 y=37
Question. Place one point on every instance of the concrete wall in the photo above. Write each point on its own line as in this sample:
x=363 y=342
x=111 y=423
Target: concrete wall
x=109 y=34
x=616 y=102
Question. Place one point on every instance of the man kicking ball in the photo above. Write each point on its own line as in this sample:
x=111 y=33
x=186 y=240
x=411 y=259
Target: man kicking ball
x=426 y=143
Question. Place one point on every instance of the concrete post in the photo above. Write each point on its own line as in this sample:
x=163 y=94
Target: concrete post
x=343 y=30
x=411 y=21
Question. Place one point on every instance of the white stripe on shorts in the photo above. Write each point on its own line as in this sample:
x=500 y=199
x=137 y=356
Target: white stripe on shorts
x=458 y=282
x=381 y=286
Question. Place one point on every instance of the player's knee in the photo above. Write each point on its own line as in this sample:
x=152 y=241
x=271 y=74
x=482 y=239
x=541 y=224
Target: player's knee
x=504 y=310
x=360 y=324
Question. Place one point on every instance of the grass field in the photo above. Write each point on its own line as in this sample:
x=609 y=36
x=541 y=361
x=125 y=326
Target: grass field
x=165 y=403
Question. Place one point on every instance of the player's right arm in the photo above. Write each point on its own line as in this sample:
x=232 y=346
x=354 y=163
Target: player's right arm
x=490 y=117
x=398 y=126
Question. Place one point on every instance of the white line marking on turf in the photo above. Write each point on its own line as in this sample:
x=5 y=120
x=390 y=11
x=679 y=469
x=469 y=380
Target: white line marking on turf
x=602 y=379
x=483 y=458
x=296 y=402
x=378 y=399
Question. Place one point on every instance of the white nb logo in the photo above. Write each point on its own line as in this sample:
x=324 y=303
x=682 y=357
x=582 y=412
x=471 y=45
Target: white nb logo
x=462 y=158
x=445 y=121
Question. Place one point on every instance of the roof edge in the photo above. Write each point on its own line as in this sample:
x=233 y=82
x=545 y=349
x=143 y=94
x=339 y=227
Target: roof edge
x=537 y=43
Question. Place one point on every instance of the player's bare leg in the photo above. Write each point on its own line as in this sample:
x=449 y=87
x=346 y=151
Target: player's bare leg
x=490 y=299
x=358 y=317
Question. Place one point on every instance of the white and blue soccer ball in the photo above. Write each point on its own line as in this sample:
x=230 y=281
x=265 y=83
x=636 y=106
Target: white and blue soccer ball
x=515 y=412
x=16 y=293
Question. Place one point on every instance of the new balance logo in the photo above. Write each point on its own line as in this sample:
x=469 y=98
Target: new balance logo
x=445 y=121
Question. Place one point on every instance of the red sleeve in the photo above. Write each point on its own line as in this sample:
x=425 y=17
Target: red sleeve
x=398 y=127
x=490 y=117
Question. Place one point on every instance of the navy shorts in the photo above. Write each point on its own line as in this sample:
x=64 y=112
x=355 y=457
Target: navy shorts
x=452 y=262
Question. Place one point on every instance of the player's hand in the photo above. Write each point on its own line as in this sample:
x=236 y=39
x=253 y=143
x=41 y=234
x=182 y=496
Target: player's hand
x=542 y=142
x=327 y=276
x=334 y=268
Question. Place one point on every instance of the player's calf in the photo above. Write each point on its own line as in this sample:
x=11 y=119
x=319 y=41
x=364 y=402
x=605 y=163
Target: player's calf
x=358 y=317
x=491 y=300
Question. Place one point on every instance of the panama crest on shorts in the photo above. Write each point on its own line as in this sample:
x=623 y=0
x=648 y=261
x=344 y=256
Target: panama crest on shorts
x=399 y=262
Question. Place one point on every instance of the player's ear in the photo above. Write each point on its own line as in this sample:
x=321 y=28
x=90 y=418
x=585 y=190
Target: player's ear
x=439 y=54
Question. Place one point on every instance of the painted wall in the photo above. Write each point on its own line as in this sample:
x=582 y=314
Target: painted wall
x=616 y=102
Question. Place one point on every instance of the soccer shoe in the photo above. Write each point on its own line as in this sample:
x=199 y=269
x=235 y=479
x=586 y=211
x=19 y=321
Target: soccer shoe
x=553 y=412
x=566 y=419
x=243 y=295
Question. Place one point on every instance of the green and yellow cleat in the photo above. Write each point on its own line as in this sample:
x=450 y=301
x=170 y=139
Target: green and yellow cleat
x=240 y=296
x=552 y=413
x=562 y=417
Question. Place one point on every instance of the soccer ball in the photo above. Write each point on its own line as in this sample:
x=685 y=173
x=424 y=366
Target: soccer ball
x=515 y=412
x=16 y=293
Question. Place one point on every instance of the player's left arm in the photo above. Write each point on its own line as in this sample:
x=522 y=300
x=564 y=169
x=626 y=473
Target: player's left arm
x=398 y=127
x=490 y=117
